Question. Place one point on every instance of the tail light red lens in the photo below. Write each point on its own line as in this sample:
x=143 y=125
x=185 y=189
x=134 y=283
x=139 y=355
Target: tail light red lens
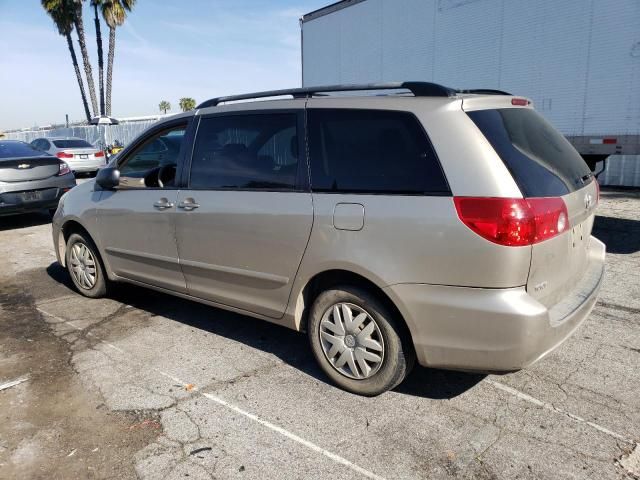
x=99 y=153
x=64 y=169
x=64 y=155
x=513 y=222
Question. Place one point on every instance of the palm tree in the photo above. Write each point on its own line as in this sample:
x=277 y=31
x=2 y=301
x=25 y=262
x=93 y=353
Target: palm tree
x=187 y=103
x=62 y=12
x=88 y=72
x=164 y=105
x=95 y=4
x=114 y=13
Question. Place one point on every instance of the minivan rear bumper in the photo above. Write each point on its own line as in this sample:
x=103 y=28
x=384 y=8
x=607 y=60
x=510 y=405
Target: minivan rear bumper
x=493 y=330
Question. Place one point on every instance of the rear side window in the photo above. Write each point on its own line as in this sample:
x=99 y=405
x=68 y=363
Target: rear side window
x=72 y=143
x=543 y=163
x=252 y=152
x=372 y=151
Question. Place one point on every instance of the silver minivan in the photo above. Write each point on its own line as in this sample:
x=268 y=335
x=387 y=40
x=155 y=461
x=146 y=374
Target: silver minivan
x=430 y=224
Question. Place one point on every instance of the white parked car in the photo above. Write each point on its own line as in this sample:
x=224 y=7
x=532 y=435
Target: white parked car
x=79 y=154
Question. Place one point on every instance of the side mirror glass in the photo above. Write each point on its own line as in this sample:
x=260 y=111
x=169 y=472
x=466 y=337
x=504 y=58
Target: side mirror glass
x=108 y=178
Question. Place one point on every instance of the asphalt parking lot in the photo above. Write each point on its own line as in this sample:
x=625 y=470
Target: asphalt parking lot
x=144 y=385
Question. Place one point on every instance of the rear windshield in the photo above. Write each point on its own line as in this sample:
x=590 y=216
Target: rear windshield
x=19 y=150
x=542 y=161
x=73 y=143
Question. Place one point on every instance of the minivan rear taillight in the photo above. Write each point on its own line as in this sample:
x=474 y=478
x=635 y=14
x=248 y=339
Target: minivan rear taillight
x=513 y=222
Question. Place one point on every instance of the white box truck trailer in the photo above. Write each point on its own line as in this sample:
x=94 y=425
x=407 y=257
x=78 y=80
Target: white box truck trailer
x=578 y=60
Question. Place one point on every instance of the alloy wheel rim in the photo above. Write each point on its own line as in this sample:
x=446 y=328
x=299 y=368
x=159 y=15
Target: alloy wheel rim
x=351 y=341
x=83 y=266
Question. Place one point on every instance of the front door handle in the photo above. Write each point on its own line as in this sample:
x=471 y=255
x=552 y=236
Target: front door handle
x=188 y=204
x=163 y=204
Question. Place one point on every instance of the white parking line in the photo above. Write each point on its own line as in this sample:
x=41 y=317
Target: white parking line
x=291 y=436
x=553 y=408
x=280 y=430
x=13 y=383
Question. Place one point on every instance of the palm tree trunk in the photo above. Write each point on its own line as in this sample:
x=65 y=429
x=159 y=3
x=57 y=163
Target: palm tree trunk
x=85 y=57
x=74 y=59
x=100 y=59
x=112 y=48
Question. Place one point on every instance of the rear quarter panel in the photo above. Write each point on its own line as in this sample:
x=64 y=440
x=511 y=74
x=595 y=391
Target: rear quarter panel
x=409 y=239
x=420 y=239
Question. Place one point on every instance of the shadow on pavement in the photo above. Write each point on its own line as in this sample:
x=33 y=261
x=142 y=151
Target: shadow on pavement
x=621 y=235
x=289 y=346
x=438 y=384
x=24 y=220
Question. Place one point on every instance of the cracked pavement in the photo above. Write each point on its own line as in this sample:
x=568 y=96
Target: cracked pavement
x=145 y=385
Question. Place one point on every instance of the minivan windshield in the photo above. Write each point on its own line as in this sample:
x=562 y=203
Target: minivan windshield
x=542 y=161
x=72 y=143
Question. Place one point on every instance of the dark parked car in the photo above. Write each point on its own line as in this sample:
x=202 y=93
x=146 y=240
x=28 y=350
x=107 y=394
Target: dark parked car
x=30 y=179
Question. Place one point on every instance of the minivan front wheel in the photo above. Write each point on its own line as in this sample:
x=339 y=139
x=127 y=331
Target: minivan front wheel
x=84 y=266
x=356 y=341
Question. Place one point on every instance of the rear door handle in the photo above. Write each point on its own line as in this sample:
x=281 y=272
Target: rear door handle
x=163 y=204
x=188 y=204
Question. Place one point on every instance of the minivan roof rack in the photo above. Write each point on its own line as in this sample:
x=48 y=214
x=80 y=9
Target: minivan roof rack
x=419 y=89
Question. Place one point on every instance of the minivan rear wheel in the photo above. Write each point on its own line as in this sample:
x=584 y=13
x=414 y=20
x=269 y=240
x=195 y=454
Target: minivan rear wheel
x=357 y=342
x=85 y=266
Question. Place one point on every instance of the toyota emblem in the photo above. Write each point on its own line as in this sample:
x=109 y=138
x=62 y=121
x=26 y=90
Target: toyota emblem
x=588 y=201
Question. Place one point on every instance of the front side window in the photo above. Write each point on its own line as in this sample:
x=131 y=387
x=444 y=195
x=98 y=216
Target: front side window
x=251 y=152
x=154 y=163
x=372 y=151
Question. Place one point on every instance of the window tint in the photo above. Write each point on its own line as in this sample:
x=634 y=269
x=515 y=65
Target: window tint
x=156 y=159
x=72 y=143
x=371 y=151
x=257 y=151
x=543 y=163
x=16 y=149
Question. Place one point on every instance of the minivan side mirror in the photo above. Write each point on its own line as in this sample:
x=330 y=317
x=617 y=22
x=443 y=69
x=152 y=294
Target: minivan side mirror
x=108 y=178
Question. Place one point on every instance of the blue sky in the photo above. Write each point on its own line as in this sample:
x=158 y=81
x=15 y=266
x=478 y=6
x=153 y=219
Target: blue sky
x=166 y=50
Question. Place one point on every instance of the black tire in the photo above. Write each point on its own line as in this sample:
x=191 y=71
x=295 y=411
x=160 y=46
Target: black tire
x=99 y=288
x=397 y=359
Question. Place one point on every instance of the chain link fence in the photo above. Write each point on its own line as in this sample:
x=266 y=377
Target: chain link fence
x=98 y=135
